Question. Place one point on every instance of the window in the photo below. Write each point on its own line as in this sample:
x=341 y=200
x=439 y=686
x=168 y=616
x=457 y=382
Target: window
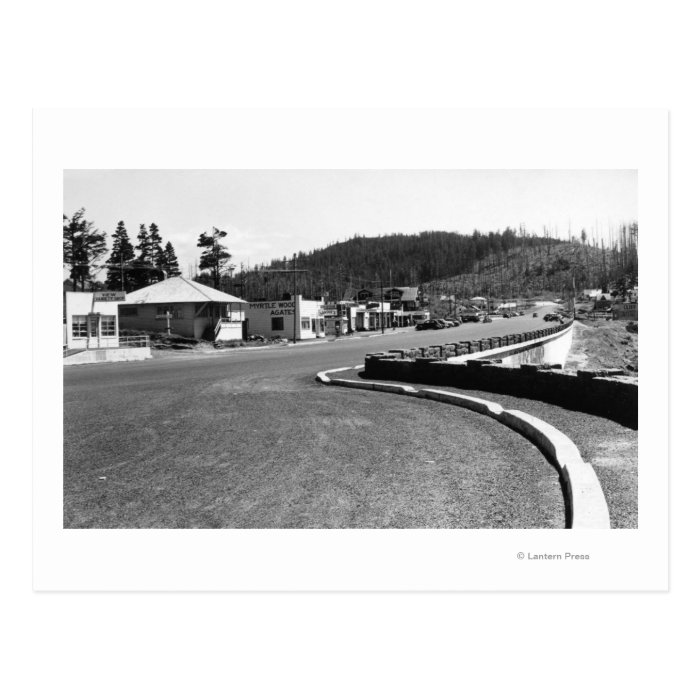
x=174 y=311
x=278 y=323
x=108 y=325
x=79 y=324
x=305 y=324
x=129 y=310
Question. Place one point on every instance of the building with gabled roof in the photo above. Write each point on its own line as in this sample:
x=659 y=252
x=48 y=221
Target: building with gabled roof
x=181 y=306
x=402 y=305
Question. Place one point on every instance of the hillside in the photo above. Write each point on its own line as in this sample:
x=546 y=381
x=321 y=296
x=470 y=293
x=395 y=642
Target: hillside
x=502 y=264
x=549 y=269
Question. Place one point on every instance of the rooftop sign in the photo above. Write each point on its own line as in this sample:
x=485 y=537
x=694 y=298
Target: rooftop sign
x=109 y=296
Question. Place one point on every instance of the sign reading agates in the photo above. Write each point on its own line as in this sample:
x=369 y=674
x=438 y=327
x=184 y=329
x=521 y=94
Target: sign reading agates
x=276 y=308
x=109 y=296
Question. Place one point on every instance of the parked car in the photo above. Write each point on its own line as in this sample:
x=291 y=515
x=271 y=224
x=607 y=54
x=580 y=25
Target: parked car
x=472 y=317
x=428 y=325
x=455 y=321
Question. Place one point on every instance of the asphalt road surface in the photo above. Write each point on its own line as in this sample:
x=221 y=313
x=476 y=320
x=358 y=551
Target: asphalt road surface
x=247 y=438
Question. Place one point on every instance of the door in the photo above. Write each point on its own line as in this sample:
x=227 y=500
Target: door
x=93 y=331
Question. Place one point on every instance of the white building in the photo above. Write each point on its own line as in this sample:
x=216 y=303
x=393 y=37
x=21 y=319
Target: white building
x=92 y=320
x=294 y=319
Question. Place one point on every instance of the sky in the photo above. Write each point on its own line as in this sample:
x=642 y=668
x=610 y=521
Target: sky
x=274 y=213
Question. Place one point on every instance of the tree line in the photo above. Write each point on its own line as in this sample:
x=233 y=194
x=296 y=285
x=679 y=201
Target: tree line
x=128 y=267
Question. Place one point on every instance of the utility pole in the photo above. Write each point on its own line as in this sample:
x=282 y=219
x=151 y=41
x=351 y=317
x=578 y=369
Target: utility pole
x=381 y=307
x=294 y=274
x=293 y=271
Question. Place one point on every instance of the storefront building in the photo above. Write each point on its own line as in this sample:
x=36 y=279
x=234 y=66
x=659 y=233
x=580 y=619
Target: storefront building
x=293 y=319
x=348 y=316
x=92 y=320
x=400 y=306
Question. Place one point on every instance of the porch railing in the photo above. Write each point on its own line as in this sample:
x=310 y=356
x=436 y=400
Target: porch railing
x=134 y=341
x=222 y=322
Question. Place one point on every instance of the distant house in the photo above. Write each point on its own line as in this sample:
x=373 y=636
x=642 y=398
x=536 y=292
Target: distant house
x=625 y=310
x=591 y=294
x=603 y=301
x=185 y=308
x=401 y=298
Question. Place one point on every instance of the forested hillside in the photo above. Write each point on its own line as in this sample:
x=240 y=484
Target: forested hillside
x=501 y=264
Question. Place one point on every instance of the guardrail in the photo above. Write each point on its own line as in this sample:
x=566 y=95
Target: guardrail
x=468 y=347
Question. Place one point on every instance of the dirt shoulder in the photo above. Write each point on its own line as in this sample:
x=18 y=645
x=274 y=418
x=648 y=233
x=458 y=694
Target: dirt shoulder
x=604 y=345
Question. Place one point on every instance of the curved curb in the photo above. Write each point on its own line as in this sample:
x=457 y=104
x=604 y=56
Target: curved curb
x=582 y=490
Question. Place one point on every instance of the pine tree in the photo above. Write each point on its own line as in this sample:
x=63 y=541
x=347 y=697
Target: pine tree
x=149 y=246
x=215 y=254
x=83 y=245
x=156 y=249
x=120 y=274
x=167 y=261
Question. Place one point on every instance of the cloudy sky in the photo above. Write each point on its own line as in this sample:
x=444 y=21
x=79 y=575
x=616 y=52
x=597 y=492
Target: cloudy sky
x=273 y=213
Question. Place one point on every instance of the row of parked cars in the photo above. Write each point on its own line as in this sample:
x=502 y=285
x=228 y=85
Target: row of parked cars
x=436 y=323
x=468 y=317
x=555 y=317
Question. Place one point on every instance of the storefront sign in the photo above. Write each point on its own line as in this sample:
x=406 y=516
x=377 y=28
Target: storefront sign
x=109 y=296
x=276 y=308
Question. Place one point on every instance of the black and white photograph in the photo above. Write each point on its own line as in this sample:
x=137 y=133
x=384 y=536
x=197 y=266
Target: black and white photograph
x=366 y=348
x=349 y=368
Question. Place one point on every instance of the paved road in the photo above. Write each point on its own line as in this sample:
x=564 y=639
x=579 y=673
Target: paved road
x=247 y=438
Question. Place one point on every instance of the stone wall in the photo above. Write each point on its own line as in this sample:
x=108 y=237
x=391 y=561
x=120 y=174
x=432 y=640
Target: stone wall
x=506 y=346
x=604 y=393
